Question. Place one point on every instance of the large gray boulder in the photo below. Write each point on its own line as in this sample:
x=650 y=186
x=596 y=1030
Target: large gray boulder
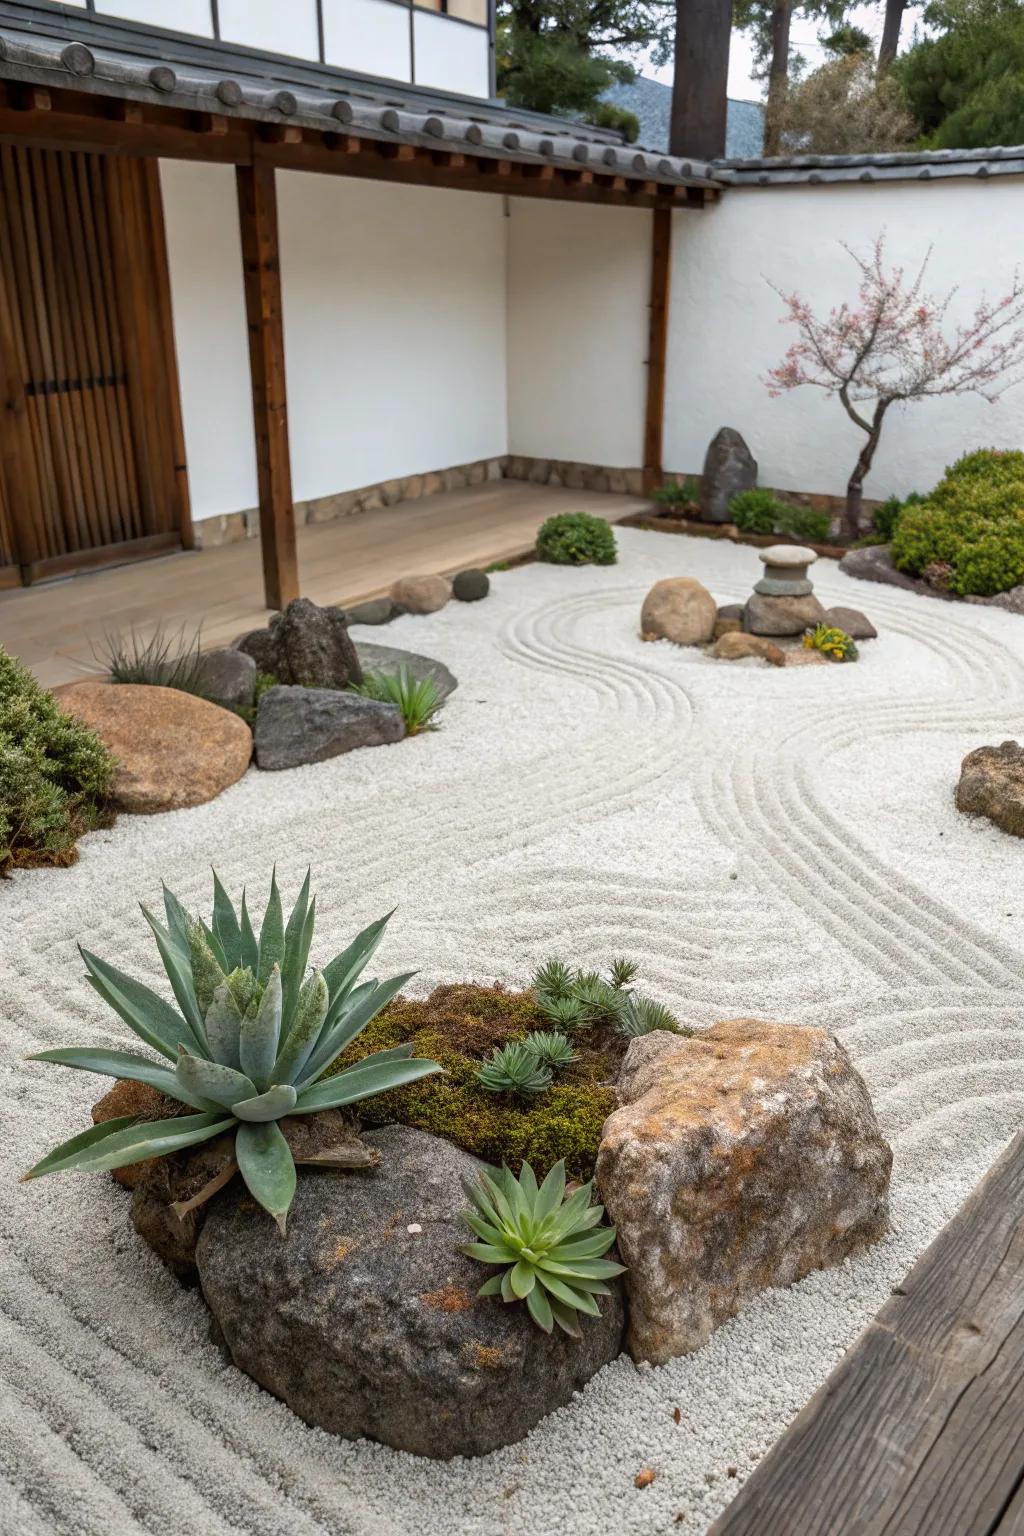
x=729 y=467
x=389 y=658
x=874 y=563
x=741 y=1158
x=779 y=616
x=365 y=1318
x=305 y=645
x=309 y=725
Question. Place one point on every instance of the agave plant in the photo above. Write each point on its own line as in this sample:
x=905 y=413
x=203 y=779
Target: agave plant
x=250 y=1045
x=551 y=1048
x=641 y=1015
x=514 y=1068
x=550 y=1249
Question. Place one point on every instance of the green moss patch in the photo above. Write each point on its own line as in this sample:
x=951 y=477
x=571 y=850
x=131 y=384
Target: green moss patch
x=457 y=1026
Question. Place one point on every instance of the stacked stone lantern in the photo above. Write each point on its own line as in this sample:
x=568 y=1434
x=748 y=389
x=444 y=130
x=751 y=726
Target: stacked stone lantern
x=783 y=601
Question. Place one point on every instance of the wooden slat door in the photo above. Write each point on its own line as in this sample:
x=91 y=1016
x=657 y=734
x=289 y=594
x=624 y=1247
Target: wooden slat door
x=91 y=449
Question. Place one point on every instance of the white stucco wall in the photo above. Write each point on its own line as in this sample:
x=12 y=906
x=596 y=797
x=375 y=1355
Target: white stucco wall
x=578 y=279
x=450 y=57
x=725 y=331
x=205 y=259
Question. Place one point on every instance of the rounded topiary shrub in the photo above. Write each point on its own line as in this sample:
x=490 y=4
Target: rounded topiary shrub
x=56 y=776
x=972 y=523
x=576 y=538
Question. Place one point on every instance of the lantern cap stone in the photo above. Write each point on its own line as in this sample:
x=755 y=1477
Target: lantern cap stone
x=787 y=554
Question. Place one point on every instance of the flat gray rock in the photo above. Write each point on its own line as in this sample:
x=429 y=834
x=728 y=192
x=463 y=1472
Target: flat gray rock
x=389 y=658
x=376 y=610
x=856 y=624
x=310 y=725
x=365 y=1318
x=874 y=563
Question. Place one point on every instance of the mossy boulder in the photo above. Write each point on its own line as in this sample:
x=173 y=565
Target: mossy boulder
x=458 y=1026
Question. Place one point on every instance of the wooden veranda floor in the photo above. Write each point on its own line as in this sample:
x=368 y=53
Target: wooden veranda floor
x=54 y=628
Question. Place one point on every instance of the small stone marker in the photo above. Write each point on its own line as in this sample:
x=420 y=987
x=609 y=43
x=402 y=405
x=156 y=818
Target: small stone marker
x=785 y=571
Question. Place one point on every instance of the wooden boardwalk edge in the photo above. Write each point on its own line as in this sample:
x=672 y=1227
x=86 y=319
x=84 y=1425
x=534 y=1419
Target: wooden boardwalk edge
x=919 y=1431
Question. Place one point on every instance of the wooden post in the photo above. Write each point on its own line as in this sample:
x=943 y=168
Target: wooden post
x=657 y=347
x=257 y=214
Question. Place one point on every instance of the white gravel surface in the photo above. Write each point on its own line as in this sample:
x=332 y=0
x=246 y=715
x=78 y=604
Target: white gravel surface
x=772 y=842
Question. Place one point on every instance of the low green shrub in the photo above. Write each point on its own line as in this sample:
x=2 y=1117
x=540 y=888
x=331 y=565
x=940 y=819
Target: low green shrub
x=758 y=511
x=885 y=518
x=803 y=523
x=576 y=538
x=56 y=776
x=972 y=522
x=682 y=493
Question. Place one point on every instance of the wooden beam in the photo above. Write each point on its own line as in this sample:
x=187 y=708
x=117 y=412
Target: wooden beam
x=257 y=213
x=918 y=1431
x=657 y=346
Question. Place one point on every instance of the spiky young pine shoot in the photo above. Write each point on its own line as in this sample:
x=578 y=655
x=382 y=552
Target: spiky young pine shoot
x=553 y=979
x=247 y=1045
x=601 y=1001
x=641 y=1015
x=551 y=1048
x=622 y=972
x=514 y=1069
x=550 y=1249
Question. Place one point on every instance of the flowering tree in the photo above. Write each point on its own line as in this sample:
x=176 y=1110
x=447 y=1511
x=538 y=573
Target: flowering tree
x=893 y=346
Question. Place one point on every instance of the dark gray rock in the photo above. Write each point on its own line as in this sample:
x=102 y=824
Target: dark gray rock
x=874 y=563
x=378 y=610
x=1012 y=601
x=228 y=677
x=730 y=610
x=309 y=725
x=365 y=1318
x=388 y=658
x=307 y=646
x=856 y=624
x=470 y=586
x=781 y=615
x=729 y=467
x=992 y=784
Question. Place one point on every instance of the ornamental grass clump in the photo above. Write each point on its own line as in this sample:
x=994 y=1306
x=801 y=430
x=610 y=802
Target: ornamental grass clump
x=550 y=1248
x=56 y=776
x=248 y=1044
x=417 y=700
x=576 y=538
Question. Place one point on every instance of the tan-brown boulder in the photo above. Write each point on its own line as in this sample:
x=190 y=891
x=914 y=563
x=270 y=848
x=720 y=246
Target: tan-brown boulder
x=992 y=784
x=421 y=594
x=173 y=749
x=726 y=627
x=137 y=1099
x=678 y=609
x=740 y=1159
x=736 y=647
x=782 y=615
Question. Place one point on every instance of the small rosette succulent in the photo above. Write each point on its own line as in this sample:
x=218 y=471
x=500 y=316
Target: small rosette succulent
x=550 y=1249
x=834 y=643
x=247 y=1045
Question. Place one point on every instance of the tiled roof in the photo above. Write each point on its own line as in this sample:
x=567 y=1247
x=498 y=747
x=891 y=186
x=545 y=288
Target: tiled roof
x=651 y=102
x=911 y=165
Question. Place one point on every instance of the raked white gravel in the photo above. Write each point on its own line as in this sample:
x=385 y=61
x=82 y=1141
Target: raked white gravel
x=771 y=842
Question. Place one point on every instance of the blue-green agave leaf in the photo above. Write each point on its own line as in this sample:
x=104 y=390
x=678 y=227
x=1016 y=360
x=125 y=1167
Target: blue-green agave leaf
x=351 y=1022
x=310 y=1012
x=272 y=1105
x=133 y=1143
x=216 y=947
x=363 y=1081
x=540 y=1309
x=260 y=1035
x=225 y=925
x=298 y=936
x=207 y=974
x=250 y=948
x=147 y=1014
x=223 y=1026
x=271 y=933
x=179 y=974
x=342 y=972
x=213 y=1081
x=177 y=919
x=54 y=1161
x=125 y=1065
x=265 y=1163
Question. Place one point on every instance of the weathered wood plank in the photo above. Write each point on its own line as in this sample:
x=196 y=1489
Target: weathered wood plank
x=657 y=346
x=920 y=1429
x=257 y=208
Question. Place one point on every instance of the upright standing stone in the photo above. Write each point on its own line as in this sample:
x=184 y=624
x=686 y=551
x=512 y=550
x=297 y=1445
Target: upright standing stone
x=729 y=467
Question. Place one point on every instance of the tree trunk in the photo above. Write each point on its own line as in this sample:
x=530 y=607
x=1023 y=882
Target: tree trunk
x=853 y=512
x=700 y=79
x=890 y=32
x=778 y=76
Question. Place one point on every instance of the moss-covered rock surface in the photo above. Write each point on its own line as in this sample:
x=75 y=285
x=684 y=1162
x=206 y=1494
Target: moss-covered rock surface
x=458 y=1026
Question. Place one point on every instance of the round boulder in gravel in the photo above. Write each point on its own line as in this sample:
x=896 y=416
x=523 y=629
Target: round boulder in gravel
x=678 y=609
x=173 y=749
x=388 y=658
x=309 y=725
x=365 y=1318
x=376 y=610
x=421 y=594
x=856 y=624
x=741 y=1158
x=470 y=586
x=992 y=784
x=737 y=647
x=227 y=677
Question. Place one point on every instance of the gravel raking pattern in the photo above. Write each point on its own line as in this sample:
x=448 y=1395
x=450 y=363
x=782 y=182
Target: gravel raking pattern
x=771 y=842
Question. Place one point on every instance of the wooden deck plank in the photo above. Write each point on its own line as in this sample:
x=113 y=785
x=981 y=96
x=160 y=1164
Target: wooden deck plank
x=920 y=1429
x=54 y=627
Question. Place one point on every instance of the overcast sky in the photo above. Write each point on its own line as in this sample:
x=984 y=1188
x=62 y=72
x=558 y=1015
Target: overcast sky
x=805 y=41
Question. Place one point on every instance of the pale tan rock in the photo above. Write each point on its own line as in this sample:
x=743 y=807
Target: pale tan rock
x=740 y=1159
x=992 y=784
x=679 y=609
x=421 y=594
x=736 y=646
x=782 y=615
x=726 y=627
x=173 y=749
